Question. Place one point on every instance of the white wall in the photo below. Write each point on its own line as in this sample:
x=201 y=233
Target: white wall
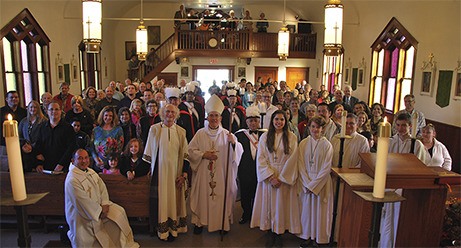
x=436 y=24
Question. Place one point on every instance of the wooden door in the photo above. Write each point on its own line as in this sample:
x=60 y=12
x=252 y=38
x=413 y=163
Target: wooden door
x=265 y=73
x=297 y=75
x=171 y=78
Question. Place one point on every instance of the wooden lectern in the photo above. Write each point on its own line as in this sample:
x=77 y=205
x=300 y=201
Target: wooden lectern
x=421 y=214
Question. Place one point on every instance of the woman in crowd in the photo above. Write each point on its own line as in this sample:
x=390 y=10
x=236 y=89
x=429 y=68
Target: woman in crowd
x=90 y=99
x=436 y=152
x=337 y=113
x=311 y=111
x=377 y=111
x=324 y=97
x=291 y=126
x=132 y=165
x=129 y=129
x=296 y=115
x=276 y=207
x=28 y=133
x=362 y=122
x=101 y=94
x=81 y=114
x=107 y=137
x=313 y=158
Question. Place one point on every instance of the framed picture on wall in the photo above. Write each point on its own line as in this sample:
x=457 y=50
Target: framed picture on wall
x=361 y=77
x=241 y=72
x=426 y=83
x=457 y=83
x=60 y=71
x=428 y=76
x=130 y=49
x=153 y=35
x=185 y=71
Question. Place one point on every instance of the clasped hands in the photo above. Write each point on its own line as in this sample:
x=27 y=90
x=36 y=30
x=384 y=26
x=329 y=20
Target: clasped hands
x=275 y=182
x=104 y=211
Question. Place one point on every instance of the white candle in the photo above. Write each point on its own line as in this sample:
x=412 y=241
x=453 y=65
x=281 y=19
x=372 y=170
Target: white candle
x=242 y=91
x=10 y=132
x=384 y=132
x=343 y=124
x=414 y=124
x=162 y=103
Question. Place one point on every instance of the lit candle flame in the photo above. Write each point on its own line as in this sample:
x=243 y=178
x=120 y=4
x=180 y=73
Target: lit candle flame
x=385 y=119
x=10 y=117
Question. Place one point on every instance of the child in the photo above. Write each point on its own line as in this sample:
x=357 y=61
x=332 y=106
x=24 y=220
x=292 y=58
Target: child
x=83 y=140
x=132 y=164
x=112 y=161
x=314 y=158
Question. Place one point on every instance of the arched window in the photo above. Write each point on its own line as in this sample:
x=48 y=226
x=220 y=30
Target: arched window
x=25 y=57
x=392 y=69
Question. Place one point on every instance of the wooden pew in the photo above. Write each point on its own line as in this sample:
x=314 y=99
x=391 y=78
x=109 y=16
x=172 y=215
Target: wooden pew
x=131 y=195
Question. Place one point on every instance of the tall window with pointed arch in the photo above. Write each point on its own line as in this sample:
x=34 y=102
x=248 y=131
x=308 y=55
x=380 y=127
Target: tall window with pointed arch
x=25 y=57
x=392 y=69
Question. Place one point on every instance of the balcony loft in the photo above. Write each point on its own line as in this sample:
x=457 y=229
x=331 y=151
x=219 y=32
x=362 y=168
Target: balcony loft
x=222 y=43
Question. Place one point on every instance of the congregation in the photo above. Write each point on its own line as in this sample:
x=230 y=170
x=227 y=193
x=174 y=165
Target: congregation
x=274 y=144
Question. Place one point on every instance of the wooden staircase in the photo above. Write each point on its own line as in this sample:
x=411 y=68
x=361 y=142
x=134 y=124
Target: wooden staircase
x=236 y=44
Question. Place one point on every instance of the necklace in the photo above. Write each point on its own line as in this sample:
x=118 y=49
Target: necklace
x=277 y=148
x=311 y=160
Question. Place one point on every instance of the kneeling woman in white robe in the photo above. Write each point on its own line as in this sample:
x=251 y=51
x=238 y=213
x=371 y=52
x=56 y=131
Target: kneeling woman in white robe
x=93 y=219
x=276 y=207
x=313 y=159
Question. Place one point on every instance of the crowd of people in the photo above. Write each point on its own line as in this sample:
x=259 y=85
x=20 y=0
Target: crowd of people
x=279 y=144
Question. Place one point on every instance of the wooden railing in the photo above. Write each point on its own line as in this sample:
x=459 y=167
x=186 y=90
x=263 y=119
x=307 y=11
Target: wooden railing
x=243 y=44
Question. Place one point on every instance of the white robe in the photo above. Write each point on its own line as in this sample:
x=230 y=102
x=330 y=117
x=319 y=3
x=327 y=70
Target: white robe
x=85 y=192
x=352 y=148
x=267 y=118
x=171 y=144
x=330 y=130
x=391 y=211
x=313 y=160
x=440 y=156
x=206 y=209
x=275 y=209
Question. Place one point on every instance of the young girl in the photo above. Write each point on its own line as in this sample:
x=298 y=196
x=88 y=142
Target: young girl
x=136 y=111
x=112 y=168
x=313 y=158
x=132 y=164
x=276 y=207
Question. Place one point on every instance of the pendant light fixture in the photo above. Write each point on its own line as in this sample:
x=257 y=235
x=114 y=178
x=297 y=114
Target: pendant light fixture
x=92 y=24
x=283 y=38
x=141 y=38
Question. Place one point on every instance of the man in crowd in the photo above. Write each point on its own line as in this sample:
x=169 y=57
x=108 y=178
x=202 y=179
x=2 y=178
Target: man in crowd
x=56 y=142
x=64 y=97
x=270 y=109
x=93 y=219
x=159 y=96
x=237 y=113
x=117 y=94
x=352 y=146
x=410 y=109
x=166 y=151
x=213 y=151
x=11 y=107
x=330 y=128
x=247 y=168
x=348 y=99
x=130 y=95
x=107 y=101
x=193 y=107
x=148 y=120
x=338 y=96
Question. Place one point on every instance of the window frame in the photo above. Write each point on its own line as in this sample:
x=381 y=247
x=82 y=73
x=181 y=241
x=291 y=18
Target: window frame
x=394 y=36
x=24 y=27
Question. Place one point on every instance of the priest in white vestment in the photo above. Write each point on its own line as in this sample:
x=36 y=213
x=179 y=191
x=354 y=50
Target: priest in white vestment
x=352 y=146
x=214 y=155
x=276 y=204
x=402 y=142
x=166 y=151
x=94 y=221
x=313 y=160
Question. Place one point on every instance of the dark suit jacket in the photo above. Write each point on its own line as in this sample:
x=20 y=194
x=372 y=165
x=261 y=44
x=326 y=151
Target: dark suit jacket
x=235 y=126
x=353 y=100
x=140 y=167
